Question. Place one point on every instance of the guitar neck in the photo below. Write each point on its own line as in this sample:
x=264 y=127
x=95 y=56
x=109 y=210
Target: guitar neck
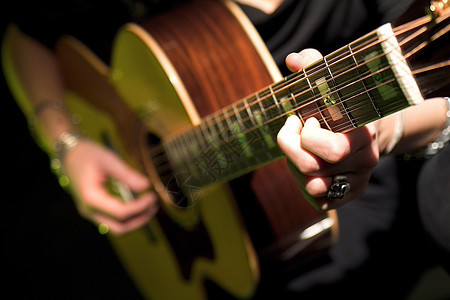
x=353 y=86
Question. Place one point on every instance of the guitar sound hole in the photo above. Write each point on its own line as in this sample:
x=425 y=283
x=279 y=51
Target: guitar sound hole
x=173 y=184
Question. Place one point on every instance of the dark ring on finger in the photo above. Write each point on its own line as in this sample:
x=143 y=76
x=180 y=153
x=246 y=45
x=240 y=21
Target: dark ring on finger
x=339 y=188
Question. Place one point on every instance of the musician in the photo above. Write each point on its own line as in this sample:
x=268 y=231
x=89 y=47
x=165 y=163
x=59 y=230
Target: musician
x=316 y=155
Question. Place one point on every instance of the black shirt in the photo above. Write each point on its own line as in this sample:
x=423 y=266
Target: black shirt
x=322 y=24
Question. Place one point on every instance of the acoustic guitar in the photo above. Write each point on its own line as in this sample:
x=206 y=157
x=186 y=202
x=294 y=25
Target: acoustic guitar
x=230 y=211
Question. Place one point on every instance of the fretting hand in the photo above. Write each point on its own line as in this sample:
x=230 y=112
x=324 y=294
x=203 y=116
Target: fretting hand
x=316 y=155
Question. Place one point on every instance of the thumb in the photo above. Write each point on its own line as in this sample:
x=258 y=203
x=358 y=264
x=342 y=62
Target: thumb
x=121 y=171
x=297 y=61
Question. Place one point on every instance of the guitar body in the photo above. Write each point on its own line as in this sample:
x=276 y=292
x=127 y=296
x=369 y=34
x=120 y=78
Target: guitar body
x=166 y=74
x=171 y=71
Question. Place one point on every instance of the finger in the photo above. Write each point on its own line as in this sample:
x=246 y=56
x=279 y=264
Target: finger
x=335 y=147
x=301 y=60
x=357 y=182
x=121 y=171
x=315 y=189
x=289 y=141
x=119 y=228
x=294 y=62
x=329 y=146
x=99 y=200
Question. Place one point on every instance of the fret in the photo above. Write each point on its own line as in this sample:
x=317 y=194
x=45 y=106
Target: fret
x=261 y=110
x=284 y=97
x=216 y=141
x=334 y=105
x=239 y=130
x=206 y=153
x=275 y=100
x=264 y=120
x=369 y=63
x=219 y=123
x=377 y=64
x=316 y=71
x=190 y=150
x=228 y=122
x=332 y=108
x=203 y=147
x=360 y=76
x=177 y=157
x=351 y=87
x=231 y=144
x=295 y=81
x=199 y=137
x=249 y=111
x=237 y=113
x=247 y=119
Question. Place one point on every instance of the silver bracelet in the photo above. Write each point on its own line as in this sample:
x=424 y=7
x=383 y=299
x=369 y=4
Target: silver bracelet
x=434 y=147
x=65 y=143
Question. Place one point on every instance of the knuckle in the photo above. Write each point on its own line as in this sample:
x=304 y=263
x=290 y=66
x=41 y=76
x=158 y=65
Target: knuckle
x=88 y=198
x=121 y=215
x=371 y=162
x=281 y=139
x=338 y=152
x=316 y=187
x=308 y=167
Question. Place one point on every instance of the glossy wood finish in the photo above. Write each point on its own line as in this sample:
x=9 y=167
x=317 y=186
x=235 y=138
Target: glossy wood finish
x=219 y=65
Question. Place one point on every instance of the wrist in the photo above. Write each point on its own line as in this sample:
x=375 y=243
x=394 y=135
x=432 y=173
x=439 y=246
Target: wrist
x=65 y=144
x=389 y=132
x=444 y=136
x=54 y=118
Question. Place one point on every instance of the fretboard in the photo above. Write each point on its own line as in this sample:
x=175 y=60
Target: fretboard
x=349 y=88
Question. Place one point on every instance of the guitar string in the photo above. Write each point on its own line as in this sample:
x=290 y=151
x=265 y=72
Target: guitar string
x=313 y=114
x=224 y=153
x=419 y=21
x=362 y=47
x=178 y=167
x=345 y=125
x=331 y=62
x=291 y=82
x=181 y=164
x=302 y=105
x=297 y=108
x=287 y=85
x=309 y=114
x=295 y=80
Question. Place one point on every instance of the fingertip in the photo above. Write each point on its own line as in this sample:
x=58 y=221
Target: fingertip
x=136 y=181
x=308 y=56
x=293 y=120
x=312 y=123
x=142 y=182
x=293 y=125
x=293 y=62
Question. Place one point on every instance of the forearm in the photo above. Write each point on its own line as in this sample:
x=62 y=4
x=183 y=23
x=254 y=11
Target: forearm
x=39 y=74
x=423 y=123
